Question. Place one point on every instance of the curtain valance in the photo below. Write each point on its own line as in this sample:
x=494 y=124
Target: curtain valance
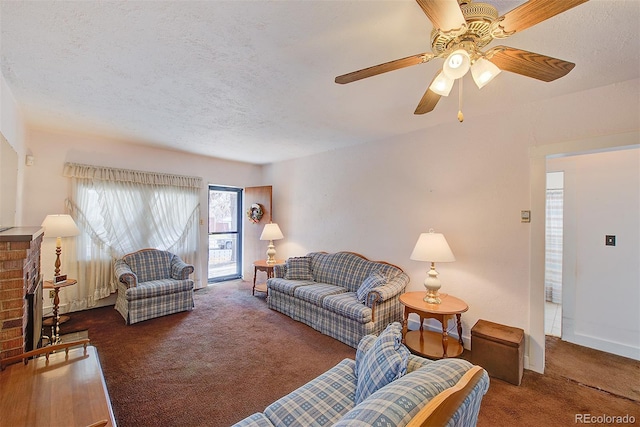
x=74 y=170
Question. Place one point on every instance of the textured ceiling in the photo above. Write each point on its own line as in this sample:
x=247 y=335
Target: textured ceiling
x=253 y=80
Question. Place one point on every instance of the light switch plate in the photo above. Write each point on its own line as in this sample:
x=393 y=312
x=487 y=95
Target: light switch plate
x=525 y=216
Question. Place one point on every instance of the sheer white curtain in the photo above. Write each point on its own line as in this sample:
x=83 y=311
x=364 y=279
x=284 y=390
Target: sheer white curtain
x=553 y=246
x=121 y=211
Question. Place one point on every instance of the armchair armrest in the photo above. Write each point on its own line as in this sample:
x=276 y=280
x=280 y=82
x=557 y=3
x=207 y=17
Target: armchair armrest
x=393 y=288
x=125 y=274
x=180 y=270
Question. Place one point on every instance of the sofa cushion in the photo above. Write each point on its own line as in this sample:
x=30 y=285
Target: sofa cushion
x=287 y=287
x=347 y=305
x=373 y=280
x=317 y=292
x=156 y=288
x=298 y=268
x=322 y=401
x=398 y=402
x=383 y=363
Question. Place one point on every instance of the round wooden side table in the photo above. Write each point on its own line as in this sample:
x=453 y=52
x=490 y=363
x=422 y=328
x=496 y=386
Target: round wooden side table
x=57 y=320
x=431 y=344
x=261 y=265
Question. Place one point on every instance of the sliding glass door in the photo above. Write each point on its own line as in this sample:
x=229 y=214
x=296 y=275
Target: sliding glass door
x=225 y=233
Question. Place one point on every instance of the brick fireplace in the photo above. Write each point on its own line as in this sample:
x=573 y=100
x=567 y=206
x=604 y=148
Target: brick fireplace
x=19 y=274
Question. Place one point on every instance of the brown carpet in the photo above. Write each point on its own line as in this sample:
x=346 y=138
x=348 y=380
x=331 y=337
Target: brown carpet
x=616 y=375
x=232 y=356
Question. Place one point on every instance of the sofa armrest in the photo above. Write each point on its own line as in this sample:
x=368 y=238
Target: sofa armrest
x=392 y=289
x=256 y=420
x=180 y=270
x=462 y=399
x=125 y=275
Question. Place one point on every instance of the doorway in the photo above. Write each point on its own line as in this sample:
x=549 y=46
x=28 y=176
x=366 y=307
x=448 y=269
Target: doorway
x=225 y=233
x=539 y=155
x=553 y=254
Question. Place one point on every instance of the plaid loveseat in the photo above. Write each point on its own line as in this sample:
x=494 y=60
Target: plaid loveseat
x=343 y=294
x=331 y=399
x=152 y=283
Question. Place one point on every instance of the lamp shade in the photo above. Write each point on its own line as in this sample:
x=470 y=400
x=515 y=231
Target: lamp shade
x=271 y=232
x=60 y=226
x=441 y=84
x=483 y=72
x=457 y=64
x=432 y=247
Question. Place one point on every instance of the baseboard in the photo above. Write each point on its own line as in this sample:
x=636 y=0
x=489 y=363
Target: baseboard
x=64 y=308
x=596 y=343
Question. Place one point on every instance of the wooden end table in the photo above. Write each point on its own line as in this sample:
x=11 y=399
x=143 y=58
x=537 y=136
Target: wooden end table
x=428 y=343
x=63 y=389
x=57 y=320
x=261 y=265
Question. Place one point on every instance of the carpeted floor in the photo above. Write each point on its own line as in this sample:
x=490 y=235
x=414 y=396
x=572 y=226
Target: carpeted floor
x=231 y=356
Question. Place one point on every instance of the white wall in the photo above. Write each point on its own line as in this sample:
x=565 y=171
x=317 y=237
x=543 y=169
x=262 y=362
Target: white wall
x=12 y=127
x=45 y=188
x=469 y=181
x=601 y=292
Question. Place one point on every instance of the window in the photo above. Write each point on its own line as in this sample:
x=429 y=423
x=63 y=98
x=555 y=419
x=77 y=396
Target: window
x=225 y=233
x=121 y=211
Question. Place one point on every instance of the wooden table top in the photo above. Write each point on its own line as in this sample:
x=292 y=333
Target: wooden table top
x=263 y=263
x=65 y=391
x=449 y=304
x=48 y=284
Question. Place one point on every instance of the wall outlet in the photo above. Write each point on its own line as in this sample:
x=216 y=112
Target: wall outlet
x=52 y=294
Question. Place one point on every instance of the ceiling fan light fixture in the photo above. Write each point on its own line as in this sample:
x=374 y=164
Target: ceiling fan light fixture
x=441 y=84
x=483 y=72
x=457 y=64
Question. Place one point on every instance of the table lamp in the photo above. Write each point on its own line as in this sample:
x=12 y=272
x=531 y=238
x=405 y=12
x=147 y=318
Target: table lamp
x=59 y=226
x=432 y=247
x=271 y=232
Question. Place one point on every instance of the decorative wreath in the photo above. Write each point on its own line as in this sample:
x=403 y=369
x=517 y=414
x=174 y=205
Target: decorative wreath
x=255 y=213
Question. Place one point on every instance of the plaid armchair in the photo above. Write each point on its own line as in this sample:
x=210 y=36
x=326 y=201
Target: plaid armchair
x=152 y=283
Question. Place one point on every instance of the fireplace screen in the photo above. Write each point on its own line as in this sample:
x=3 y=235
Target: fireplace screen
x=33 y=331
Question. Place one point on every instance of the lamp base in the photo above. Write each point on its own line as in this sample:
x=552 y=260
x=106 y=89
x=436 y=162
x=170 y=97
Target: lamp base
x=432 y=297
x=432 y=285
x=271 y=253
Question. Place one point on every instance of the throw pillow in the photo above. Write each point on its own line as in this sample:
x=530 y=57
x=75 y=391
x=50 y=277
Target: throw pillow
x=363 y=346
x=374 y=279
x=384 y=362
x=299 y=268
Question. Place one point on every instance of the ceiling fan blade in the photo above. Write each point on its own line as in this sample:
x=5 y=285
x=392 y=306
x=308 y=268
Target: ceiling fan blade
x=383 y=68
x=529 y=64
x=428 y=101
x=533 y=12
x=445 y=15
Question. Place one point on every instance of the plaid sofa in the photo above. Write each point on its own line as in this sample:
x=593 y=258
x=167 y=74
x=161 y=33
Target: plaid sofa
x=152 y=283
x=326 y=296
x=330 y=399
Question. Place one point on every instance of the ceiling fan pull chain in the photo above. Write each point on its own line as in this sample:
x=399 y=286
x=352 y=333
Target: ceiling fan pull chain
x=460 y=115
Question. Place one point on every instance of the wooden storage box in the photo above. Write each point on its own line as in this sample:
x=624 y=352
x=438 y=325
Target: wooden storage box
x=499 y=349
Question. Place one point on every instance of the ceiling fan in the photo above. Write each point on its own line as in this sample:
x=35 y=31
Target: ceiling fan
x=461 y=28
